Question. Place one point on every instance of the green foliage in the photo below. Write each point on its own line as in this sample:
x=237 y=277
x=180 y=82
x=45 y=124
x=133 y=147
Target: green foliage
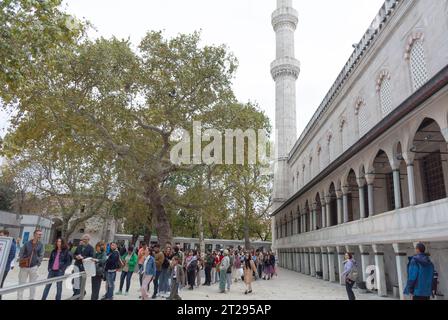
x=95 y=118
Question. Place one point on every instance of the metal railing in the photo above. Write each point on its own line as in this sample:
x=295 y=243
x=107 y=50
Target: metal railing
x=21 y=287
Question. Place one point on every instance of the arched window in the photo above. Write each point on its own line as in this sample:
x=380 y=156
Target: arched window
x=415 y=53
x=363 y=117
x=331 y=147
x=343 y=126
x=384 y=89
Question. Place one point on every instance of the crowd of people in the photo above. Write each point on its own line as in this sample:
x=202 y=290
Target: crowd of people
x=171 y=270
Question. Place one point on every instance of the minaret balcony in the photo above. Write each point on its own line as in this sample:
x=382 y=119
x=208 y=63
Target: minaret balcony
x=285 y=66
x=285 y=17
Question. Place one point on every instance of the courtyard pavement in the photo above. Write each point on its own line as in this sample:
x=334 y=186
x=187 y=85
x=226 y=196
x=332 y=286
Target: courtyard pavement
x=287 y=286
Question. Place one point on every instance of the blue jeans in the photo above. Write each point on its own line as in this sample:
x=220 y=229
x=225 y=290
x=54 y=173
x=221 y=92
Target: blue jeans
x=163 y=281
x=156 y=282
x=128 y=276
x=53 y=274
x=110 y=280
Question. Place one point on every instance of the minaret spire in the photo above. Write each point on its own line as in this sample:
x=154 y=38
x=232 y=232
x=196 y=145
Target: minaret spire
x=285 y=71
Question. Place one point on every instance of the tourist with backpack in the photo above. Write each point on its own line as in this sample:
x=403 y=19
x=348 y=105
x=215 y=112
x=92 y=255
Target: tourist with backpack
x=421 y=276
x=350 y=274
x=191 y=265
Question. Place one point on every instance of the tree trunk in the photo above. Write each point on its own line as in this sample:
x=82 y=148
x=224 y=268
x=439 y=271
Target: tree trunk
x=247 y=244
x=201 y=233
x=64 y=231
x=134 y=239
x=163 y=225
x=147 y=238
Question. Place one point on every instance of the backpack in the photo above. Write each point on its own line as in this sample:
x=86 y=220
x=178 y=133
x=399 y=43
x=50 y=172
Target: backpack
x=353 y=274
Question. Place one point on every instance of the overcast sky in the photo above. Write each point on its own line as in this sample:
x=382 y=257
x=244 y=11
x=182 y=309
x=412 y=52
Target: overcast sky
x=325 y=34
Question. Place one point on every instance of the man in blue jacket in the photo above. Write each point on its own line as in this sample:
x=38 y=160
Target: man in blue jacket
x=11 y=257
x=420 y=275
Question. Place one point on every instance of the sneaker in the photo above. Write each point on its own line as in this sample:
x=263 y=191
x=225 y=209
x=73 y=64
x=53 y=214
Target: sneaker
x=154 y=296
x=118 y=293
x=126 y=293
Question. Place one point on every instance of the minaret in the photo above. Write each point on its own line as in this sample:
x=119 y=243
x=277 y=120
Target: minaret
x=285 y=71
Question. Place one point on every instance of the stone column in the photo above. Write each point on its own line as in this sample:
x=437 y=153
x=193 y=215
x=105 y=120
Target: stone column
x=312 y=262
x=364 y=261
x=397 y=188
x=314 y=218
x=298 y=268
x=341 y=254
x=290 y=266
x=411 y=185
x=323 y=213
x=340 y=205
x=345 y=203
x=370 y=178
x=331 y=267
x=380 y=270
x=325 y=274
x=362 y=208
x=302 y=261
x=401 y=258
x=311 y=219
x=318 y=259
x=328 y=224
x=307 y=254
x=293 y=260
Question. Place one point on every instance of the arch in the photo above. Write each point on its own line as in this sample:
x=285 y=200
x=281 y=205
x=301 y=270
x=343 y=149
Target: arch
x=318 y=212
x=416 y=36
x=307 y=217
x=333 y=214
x=353 y=196
x=383 y=197
x=416 y=126
x=431 y=174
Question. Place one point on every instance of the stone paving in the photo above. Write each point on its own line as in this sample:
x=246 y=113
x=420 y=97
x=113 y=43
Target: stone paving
x=287 y=286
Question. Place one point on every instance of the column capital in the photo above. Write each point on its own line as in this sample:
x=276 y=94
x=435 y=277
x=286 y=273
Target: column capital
x=408 y=157
x=445 y=133
x=323 y=201
x=345 y=190
x=311 y=250
x=341 y=250
x=361 y=182
x=370 y=178
x=400 y=247
x=378 y=248
x=350 y=249
x=364 y=249
x=331 y=249
x=316 y=250
x=323 y=249
x=339 y=194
